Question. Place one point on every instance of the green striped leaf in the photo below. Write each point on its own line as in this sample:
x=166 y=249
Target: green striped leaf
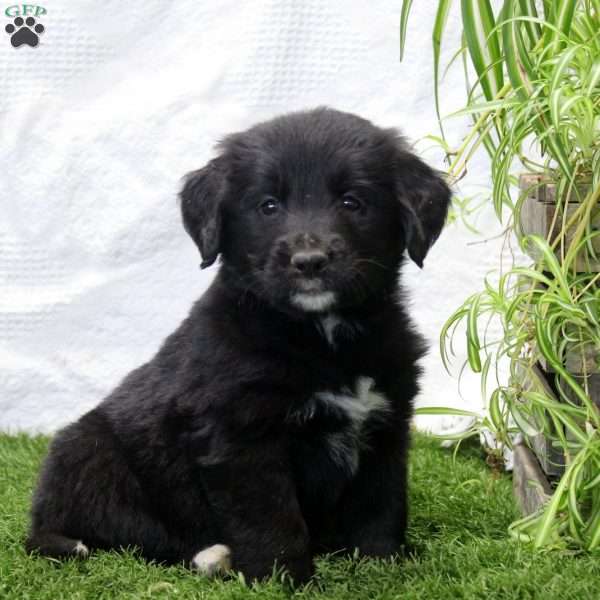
x=439 y=25
x=481 y=36
x=445 y=410
x=404 y=14
x=551 y=263
x=510 y=45
x=562 y=17
x=473 y=345
x=483 y=107
x=532 y=27
x=593 y=80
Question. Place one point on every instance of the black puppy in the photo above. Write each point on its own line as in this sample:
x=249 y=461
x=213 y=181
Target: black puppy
x=274 y=423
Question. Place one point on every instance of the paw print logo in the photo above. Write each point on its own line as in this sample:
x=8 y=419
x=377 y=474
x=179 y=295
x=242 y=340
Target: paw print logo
x=24 y=32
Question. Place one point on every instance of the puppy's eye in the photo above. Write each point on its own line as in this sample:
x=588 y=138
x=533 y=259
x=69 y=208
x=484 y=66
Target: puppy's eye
x=351 y=203
x=269 y=206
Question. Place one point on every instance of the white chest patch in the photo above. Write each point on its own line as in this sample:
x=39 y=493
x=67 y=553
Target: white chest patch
x=357 y=407
x=359 y=404
x=328 y=325
x=337 y=330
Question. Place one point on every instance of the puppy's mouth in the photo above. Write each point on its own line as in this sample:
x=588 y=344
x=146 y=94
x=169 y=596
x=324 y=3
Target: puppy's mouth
x=311 y=295
x=313 y=285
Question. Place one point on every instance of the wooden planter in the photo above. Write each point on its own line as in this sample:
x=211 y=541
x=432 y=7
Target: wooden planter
x=538 y=462
x=530 y=484
x=537 y=216
x=551 y=459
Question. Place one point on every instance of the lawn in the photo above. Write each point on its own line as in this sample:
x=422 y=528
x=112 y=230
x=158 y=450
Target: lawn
x=460 y=549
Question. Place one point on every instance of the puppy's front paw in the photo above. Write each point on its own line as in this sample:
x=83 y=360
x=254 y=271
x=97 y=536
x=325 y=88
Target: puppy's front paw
x=376 y=547
x=212 y=560
x=81 y=550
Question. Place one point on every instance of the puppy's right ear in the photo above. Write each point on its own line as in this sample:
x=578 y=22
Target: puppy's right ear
x=424 y=200
x=201 y=199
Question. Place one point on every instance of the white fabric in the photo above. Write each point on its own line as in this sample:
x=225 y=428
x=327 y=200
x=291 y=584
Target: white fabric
x=121 y=99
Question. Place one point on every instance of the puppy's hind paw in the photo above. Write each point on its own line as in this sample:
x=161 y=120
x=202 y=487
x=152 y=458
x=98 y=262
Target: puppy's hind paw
x=56 y=545
x=212 y=560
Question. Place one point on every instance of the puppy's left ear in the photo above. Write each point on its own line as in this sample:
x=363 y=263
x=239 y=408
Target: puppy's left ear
x=201 y=199
x=424 y=199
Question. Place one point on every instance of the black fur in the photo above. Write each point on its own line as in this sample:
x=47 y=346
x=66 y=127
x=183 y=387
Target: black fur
x=221 y=437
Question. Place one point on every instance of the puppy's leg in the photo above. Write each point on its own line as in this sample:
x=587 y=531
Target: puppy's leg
x=87 y=498
x=373 y=511
x=253 y=497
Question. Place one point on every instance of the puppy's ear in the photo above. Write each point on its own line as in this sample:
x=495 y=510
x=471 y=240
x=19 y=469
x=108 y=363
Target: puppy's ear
x=424 y=199
x=201 y=199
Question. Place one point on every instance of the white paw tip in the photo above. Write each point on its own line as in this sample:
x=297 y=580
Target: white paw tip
x=212 y=560
x=81 y=550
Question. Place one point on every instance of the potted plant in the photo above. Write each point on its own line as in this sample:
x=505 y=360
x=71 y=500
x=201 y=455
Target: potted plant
x=533 y=81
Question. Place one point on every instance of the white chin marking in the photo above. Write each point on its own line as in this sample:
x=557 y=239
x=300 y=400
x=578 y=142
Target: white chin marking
x=81 y=550
x=212 y=560
x=313 y=302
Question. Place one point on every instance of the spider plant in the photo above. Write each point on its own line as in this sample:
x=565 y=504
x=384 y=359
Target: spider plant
x=532 y=70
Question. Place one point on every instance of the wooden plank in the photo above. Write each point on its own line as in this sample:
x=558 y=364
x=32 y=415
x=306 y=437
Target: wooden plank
x=551 y=459
x=576 y=362
x=593 y=386
x=537 y=216
x=530 y=486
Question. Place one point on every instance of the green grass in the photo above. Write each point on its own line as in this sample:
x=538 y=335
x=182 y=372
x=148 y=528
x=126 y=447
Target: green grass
x=460 y=513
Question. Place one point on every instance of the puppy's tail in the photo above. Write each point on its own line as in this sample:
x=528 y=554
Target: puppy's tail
x=56 y=546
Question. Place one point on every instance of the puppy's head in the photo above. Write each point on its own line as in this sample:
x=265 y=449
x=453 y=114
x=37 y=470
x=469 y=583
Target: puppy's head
x=312 y=211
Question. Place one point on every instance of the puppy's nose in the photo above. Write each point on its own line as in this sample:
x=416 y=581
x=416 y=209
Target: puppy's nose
x=309 y=262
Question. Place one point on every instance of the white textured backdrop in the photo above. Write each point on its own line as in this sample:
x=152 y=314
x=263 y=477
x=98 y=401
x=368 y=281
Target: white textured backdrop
x=97 y=126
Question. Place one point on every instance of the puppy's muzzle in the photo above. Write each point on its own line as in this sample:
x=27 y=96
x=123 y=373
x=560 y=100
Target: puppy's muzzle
x=309 y=263
x=310 y=254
